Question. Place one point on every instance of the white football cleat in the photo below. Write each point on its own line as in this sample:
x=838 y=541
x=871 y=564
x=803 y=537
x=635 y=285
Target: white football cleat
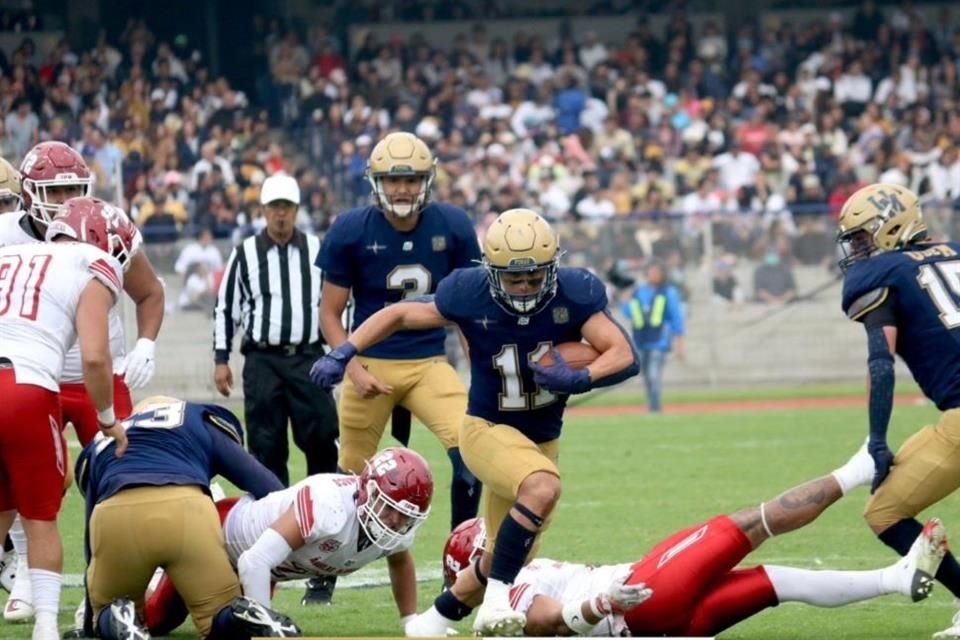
x=953 y=631
x=924 y=558
x=495 y=620
x=8 y=569
x=19 y=606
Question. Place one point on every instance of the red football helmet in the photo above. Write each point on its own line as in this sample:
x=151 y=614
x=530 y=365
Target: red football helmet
x=94 y=222
x=51 y=164
x=394 y=496
x=465 y=544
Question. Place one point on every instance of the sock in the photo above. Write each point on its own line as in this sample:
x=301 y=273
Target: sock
x=826 y=588
x=857 y=471
x=45 y=586
x=464 y=490
x=511 y=549
x=900 y=537
x=447 y=606
x=18 y=537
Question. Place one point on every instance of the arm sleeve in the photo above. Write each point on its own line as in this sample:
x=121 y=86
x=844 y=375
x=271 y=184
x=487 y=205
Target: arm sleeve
x=241 y=468
x=882 y=380
x=226 y=315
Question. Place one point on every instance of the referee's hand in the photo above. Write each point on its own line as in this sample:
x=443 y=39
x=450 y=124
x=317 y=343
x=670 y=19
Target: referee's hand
x=223 y=378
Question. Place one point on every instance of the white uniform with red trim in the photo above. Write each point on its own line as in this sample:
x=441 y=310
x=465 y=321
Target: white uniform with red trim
x=40 y=286
x=12 y=232
x=567 y=582
x=326 y=511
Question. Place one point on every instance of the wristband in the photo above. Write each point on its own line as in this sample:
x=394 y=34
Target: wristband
x=107 y=417
x=573 y=618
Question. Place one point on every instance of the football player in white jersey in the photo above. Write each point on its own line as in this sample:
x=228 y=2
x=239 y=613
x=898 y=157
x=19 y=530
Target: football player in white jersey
x=328 y=524
x=53 y=172
x=687 y=584
x=51 y=295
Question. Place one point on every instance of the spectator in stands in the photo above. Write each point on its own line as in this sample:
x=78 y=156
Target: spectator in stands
x=773 y=281
x=657 y=317
x=22 y=127
x=726 y=287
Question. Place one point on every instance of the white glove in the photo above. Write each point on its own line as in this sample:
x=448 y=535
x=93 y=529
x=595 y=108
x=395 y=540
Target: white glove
x=139 y=366
x=426 y=626
x=620 y=597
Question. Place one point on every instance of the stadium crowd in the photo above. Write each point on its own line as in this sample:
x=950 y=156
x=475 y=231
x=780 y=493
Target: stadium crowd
x=774 y=121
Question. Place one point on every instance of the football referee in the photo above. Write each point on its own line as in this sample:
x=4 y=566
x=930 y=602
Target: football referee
x=271 y=290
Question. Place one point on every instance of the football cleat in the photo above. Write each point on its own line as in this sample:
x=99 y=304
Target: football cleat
x=923 y=559
x=498 y=621
x=261 y=622
x=17 y=610
x=953 y=631
x=8 y=569
x=124 y=623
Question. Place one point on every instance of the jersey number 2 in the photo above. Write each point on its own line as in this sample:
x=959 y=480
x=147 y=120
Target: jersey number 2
x=512 y=395
x=941 y=281
x=10 y=267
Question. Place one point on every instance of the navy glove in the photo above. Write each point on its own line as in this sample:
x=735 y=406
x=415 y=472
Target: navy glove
x=560 y=378
x=328 y=370
x=882 y=461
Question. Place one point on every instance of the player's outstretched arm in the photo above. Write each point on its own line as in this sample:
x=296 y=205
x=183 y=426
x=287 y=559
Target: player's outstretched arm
x=329 y=370
x=881 y=345
x=618 y=359
x=271 y=548
x=403 y=583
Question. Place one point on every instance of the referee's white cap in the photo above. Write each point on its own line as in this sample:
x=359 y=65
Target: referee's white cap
x=280 y=186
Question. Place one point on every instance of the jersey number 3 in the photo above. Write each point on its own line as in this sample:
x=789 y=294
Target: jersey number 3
x=11 y=277
x=941 y=281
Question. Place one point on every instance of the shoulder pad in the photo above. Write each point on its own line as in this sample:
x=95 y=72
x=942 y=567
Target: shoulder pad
x=579 y=285
x=867 y=302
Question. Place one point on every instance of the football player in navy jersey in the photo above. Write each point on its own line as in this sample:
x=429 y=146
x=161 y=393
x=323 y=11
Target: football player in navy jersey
x=905 y=290
x=512 y=309
x=399 y=248
x=151 y=508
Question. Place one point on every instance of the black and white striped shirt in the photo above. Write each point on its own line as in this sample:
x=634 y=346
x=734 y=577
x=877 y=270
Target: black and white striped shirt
x=271 y=292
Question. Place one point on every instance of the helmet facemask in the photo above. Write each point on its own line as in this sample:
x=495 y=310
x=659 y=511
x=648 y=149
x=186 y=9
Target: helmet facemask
x=41 y=209
x=383 y=201
x=523 y=303
x=379 y=511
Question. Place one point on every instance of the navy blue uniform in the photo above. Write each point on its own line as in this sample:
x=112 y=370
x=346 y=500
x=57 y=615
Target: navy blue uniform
x=922 y=289
x=502 y=345
x=363 y=252
x=180 y=443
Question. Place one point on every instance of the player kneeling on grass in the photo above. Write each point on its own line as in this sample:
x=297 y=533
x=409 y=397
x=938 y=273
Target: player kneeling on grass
x=151 y=508
x=325 y=525
x=687 y=584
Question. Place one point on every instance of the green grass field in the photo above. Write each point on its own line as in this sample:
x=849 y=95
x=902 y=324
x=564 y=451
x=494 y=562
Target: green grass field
x=629 y=481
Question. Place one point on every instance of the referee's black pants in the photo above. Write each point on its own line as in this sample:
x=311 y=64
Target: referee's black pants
x=277 y=390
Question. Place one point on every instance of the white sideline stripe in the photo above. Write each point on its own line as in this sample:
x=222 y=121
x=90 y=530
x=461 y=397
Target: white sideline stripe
x=362 y=579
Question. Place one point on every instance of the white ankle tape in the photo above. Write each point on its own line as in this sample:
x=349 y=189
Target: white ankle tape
x=763 y=519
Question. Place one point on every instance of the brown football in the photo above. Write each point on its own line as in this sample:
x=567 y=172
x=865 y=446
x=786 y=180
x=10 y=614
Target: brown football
x=577 y=354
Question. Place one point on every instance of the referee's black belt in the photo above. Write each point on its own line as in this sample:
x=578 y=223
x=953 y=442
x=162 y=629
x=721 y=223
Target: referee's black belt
x=250 y=346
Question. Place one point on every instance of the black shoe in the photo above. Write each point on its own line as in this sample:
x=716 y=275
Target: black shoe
x=319 y=591
x=262 y=622
x=124 y=622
